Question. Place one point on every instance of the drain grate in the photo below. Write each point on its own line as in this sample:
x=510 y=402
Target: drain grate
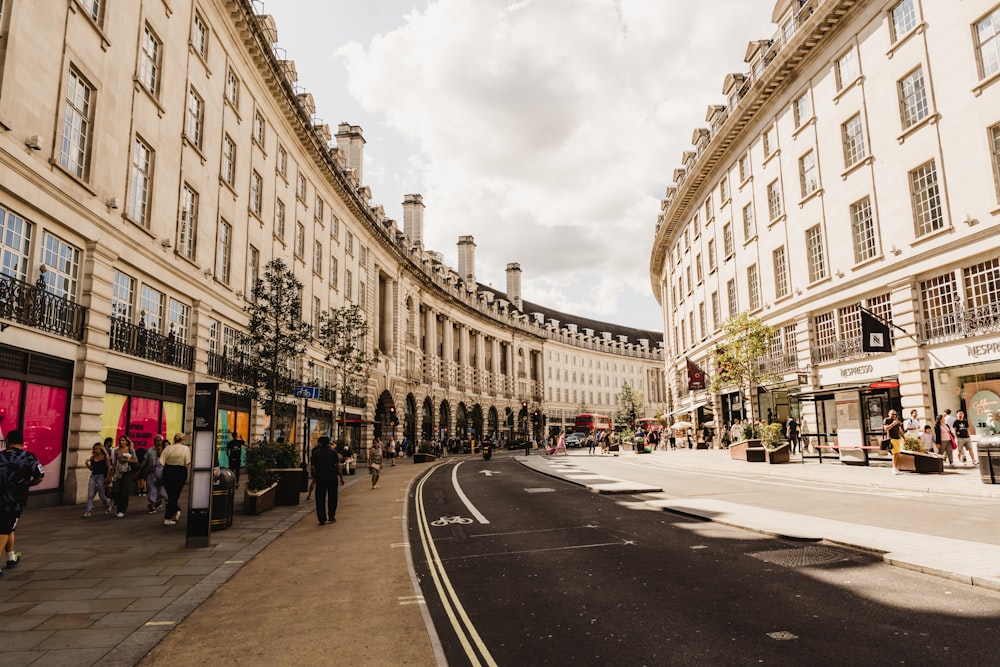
x=801 y=557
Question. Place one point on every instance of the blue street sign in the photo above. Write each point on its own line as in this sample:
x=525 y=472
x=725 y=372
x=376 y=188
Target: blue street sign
x=307 y=392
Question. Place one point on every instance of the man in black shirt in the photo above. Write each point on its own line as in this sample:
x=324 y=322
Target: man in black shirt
x=19 y=470
x=326 y=470
x=234 y=452
x=962 y=438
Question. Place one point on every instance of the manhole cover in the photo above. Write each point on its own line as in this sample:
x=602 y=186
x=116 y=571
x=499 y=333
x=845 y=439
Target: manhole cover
x=802 y=556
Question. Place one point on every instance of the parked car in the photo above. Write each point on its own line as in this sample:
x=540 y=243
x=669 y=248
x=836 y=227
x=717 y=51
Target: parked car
x=575 y=439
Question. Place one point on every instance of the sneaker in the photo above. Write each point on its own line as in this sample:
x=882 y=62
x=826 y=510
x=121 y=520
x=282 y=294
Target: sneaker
x=120 y=515
x=150 y=510
x=14 y=562
x=88 y=514
x=168 y=522
x=177 y=516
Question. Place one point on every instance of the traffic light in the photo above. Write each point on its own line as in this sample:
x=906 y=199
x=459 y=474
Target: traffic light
x=524 y=405
x=393 y=419
x=534 y=417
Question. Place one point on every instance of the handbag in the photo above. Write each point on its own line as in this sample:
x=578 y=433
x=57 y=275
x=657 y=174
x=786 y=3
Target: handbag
x=886 y=445
x=376 y=466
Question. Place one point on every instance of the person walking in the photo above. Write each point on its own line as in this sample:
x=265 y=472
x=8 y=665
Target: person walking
x=592 y=441
x=654 y=439
x=234 y=452
x=560 y=444
x=97 y=464
x=912 y=425
x=19 y=471
x=125 y=464
x=155 y=494
x=391 y=453
x=962 y=439
x=324 y=464
x=943 y=439
x=175 y=458
x=375 y=461
x=894 y=433
x=792 y=433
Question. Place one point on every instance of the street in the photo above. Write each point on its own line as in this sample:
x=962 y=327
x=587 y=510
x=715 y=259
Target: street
x=519 y=567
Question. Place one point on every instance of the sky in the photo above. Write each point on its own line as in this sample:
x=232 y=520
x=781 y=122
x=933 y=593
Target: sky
x=546 y=129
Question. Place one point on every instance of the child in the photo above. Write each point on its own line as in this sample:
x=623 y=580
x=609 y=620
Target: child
x=927 y=439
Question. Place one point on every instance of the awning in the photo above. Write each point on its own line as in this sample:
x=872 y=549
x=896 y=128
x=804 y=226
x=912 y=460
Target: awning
x=814 y=393
x=690 y=408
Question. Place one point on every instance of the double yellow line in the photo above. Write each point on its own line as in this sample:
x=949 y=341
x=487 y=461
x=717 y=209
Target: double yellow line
x=464 y=629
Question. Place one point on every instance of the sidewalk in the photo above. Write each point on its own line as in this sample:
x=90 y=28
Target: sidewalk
x=107 y=591
x=970 y=562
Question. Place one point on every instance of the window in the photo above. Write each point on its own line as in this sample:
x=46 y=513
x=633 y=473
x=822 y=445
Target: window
x=318 y=210
x=300 y=187
x=808 y=175
x=199 y=36
x=698 y=272
x=687 y=278
x=228 y=160
x=753 y=287
x=709 y=209
x=847 y=69
x=151 y=305
x=902 y=19
x=362 y=296
x=122 y=296
x=334 y=227
x=826 y=336
x=362 y=256
x=317 y=307
x=93 y=9
x=815 y=253
x=791 y=340
x=770 y=141
x=927 y=213
x=223 y=252
x=253 y=272
x=774 y=207
x=300 y=240
x=724 y=190
x=74 y=154
x=939 y=298
x=863 y=231
x=780 y=272
x=349 y=245
x=982 y=282
x=995 y=155
x=62 y=263
x=988 y=44
x=195 y=117
x=281 y=164
x=734 y=306
x=333 y=272
x=256 y=193
x=149 y=61
x=702 y=320
x=716 y=311
x=187 y=223
x=15 y=245
x=179 y=316
x=687 y=239
x=347 y=285
x=744 y=167
x=912 y=98
x=711 y=255
x=727 y=239
x=802 y=109
x=317 y=258
x=853 y=134
x=140 y=189
x=279 y=218
x=258 y=128
x=233 y=89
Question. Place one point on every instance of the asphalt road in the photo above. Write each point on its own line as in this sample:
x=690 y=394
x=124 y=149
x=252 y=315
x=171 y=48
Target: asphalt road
x=521 y=568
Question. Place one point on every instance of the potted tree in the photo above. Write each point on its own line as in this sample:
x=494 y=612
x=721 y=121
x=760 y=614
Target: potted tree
x=286 y=472
x=775 y=451
x=424 y=453
x=913 y=458
x=261 y=485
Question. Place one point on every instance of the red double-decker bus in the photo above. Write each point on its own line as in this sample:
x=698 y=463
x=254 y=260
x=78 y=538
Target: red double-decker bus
x=587 y=423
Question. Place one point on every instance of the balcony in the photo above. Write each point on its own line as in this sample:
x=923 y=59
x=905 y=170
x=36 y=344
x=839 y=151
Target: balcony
x=962 y=324
x=838 y=350
x=227 y=368
x=33 y=306
x=779 y=364
x=138 y=341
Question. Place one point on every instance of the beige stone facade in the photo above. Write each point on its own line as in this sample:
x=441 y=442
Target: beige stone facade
x=154 y=156
x=855 y=165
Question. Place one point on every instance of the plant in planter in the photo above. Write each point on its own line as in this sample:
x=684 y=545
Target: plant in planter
x=261 y=482
x=425 y=453
x=769 y=434
x=912 y=444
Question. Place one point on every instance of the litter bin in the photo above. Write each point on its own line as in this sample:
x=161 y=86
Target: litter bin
x=223 y=499
x=988 y=450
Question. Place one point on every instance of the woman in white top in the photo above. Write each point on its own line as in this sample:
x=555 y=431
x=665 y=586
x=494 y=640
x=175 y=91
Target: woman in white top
x=176 y=458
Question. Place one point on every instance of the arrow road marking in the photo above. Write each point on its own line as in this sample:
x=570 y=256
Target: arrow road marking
x=490 y=473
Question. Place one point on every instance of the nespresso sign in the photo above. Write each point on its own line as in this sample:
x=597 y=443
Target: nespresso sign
x=984 y=350
x=854 y=371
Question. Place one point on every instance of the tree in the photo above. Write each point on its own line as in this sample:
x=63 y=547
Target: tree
x=629 y=406
x=739 y=359
x=276 y=336
x=343 y=334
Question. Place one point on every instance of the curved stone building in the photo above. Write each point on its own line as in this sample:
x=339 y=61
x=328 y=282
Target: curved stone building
x=854 y=163
x=154 y=157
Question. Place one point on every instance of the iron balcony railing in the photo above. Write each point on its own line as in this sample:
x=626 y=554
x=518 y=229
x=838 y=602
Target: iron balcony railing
x=838 y=350
x=33 y=306
x=138 y=341
x=233 y=370
x=962 y=323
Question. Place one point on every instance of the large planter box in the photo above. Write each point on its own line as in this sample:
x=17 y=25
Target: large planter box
x=289 y=485
x=258 y=502
x=780 y=454
x=424 y=458
x=920 y=462
x=747 y=450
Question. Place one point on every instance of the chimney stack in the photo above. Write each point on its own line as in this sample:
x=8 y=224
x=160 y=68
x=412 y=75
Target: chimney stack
x=413 y=218
x=467 y=262
x=514 y=284
x=351 y=144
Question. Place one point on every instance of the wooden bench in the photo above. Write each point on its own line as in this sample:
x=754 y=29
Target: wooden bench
x=920 y=462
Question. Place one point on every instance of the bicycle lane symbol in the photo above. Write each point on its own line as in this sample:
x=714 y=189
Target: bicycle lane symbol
x=445 y=520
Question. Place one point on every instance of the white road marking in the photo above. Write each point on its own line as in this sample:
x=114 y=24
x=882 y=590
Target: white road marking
x=461 y=495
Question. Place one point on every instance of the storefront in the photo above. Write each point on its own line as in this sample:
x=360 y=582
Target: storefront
x=141 y=407
x=234 y=419
x=34 y=398
x=966 y=376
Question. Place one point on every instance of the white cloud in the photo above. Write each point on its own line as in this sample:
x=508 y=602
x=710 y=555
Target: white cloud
x=547 y=129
